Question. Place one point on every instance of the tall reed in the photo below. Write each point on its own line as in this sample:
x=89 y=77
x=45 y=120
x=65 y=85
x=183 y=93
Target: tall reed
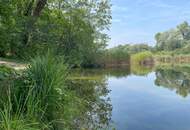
x=35 y=97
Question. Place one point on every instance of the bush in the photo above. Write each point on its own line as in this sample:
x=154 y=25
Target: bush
x=5 y=72
x=140 y=57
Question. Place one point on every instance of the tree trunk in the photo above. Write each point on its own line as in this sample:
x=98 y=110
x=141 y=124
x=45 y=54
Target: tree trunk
x=32 y=19
x=39 y=7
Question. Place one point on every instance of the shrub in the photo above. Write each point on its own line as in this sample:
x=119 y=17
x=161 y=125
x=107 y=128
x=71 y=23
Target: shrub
x=5 y=72
x=140 y=57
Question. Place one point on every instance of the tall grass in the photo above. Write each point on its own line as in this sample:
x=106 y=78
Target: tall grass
x=11 y=112
x=35 y=97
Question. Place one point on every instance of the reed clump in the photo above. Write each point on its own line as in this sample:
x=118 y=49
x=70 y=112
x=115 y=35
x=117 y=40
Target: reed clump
x=31 y=99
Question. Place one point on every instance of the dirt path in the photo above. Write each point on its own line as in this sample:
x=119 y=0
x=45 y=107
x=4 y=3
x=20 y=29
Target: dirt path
x=14 y=65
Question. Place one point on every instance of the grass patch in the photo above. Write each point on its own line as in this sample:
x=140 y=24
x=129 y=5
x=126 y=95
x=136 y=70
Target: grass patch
x=34 y=95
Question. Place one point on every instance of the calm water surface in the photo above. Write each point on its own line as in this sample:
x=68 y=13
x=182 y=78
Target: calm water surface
x=152 y=100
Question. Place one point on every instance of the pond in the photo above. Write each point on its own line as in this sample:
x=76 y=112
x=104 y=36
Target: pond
x=130 y=98
x=142 y=98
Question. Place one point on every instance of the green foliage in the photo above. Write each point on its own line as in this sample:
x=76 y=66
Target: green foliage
x=119 y=52
x=34 y=95
x=169 y=77
x=136 y=48
x=139 y=58
x=42 y=98
x=15 y=122
x=141 y=70
x=117 y=55
x=120 y=55
x=184 y=28
x=174 y=38
x=184 y=50
x=5 y=72
x=73 y=28
x=46 y=76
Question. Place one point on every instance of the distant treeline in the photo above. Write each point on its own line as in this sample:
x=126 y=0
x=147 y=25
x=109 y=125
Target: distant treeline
x=122 y=55
x=169 y=45
x=173 y=39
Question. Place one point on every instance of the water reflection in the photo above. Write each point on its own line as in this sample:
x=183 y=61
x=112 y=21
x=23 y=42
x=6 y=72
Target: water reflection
x=141 y=70
x=142 y=96
x=100 y=73
x=111 y=72
x=176 y=78
x=86 y=105
x=137 y=97
x=94 y=108
x=142 y=100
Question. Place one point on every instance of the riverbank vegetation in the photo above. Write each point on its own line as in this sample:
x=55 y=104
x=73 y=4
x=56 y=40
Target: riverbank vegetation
x=30 y=98
x=42 y=97
x=172 y=46
x=142 y=58
x=72 y=28
x=75 y=30
x=42 y=94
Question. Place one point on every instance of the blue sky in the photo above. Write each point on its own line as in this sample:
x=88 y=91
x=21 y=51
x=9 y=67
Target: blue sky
x=137 y=21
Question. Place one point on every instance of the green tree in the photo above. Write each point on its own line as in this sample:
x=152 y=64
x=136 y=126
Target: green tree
x=75 y=28
x=174 y=38
x=184 y=28
x=169 y=40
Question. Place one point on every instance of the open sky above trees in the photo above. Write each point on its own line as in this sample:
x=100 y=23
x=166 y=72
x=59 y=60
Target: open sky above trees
x=137 y=21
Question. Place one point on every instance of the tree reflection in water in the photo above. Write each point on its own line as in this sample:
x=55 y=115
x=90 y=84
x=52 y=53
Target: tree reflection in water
x=174 y=78
x=85 y=103
x=96 y=111
x=90 y=107
x=91 y=88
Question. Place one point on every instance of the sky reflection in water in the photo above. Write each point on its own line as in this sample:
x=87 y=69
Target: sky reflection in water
x=139 y=104
x=146 y=98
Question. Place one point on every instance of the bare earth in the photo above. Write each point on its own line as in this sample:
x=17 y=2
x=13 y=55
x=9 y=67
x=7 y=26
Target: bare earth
x=14 y=65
